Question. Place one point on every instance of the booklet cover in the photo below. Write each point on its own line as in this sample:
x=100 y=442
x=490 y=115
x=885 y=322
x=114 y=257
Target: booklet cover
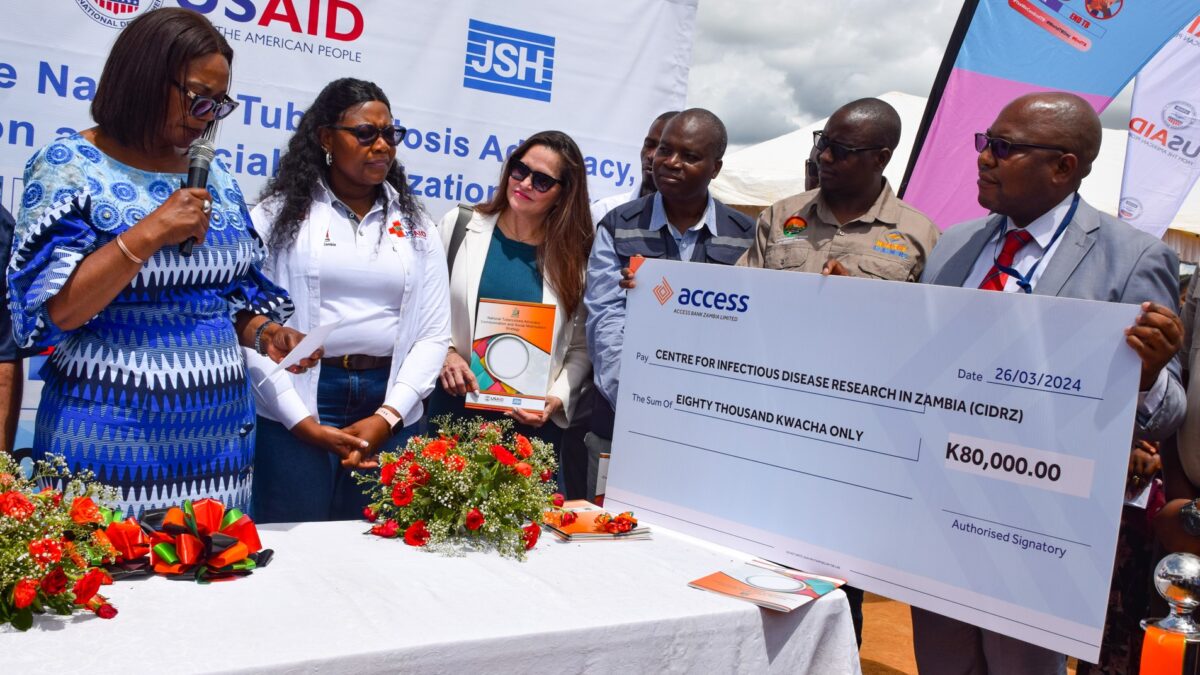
x=585 y=527
x=510 y=355
x=768 y=585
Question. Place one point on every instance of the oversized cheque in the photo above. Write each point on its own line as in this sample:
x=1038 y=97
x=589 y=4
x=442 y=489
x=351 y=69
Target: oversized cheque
x=959 y=450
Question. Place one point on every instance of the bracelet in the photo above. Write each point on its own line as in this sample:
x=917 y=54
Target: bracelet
x=258 y=334
x=128 y=254
x=393 y=420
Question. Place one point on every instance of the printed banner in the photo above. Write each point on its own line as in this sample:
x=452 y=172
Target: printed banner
x=1014 y=47
x=965 y=464
x=470 y=80
x=1164 y=135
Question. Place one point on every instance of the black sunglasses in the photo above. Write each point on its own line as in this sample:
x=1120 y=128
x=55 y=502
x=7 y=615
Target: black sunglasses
x=541 y=182
x=840 y=151
x=1002 y=148
x=203 y=105
x=366 y=134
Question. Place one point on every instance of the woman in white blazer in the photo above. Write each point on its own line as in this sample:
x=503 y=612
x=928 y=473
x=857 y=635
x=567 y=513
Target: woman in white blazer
x=352 y=242
x=529 y=243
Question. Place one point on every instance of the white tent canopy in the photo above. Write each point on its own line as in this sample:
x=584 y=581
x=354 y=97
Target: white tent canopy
x=769 y=171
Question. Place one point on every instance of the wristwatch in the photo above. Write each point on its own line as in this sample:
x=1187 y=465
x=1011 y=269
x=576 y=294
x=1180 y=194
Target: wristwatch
x=394 y=421
x=1190 y=517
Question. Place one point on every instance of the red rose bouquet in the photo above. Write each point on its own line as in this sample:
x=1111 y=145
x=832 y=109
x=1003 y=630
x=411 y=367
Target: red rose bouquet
x=50 y=542
x=477 y=485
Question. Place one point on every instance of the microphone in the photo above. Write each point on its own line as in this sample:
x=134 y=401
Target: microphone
x=200 y=157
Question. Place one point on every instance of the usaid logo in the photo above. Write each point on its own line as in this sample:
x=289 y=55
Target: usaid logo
x=1129 y=209
x=116 y=13
x=509 y=61
x=1179 y=114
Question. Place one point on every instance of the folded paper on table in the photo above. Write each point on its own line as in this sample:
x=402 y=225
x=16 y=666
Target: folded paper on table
x=510 y=355
x=960 y=450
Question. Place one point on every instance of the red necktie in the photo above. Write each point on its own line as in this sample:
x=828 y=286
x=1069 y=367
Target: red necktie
x=1013 y=241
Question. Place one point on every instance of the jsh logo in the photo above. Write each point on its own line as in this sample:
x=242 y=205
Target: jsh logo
x=509 y=61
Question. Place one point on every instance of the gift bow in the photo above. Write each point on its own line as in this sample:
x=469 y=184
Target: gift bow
x=204 y=539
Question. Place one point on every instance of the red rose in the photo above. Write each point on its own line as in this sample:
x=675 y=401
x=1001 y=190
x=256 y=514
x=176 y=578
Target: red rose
x=386 y=530
x=523 y=469
x=46 y=551
x=55 y=582
x=24 y=593
x=388 y=473
x=503 y=456
x=16 y=505
x=453 y=441
x=416 y=534
x=557 y=499
x=370 y=514
x=406 y=457
x=89 y=584
x=455 y=462
x=524 y=447
x=547 y=475
x=532 y=532
x=569 y=517
x=436 y=450
x=402 y=494
x=474 y=519
x=106 y=611
x=55 y=495
x=487 y=427
x=84 y=510
x=417 y=474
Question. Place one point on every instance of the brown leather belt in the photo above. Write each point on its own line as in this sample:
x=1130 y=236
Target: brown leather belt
x=357 y=362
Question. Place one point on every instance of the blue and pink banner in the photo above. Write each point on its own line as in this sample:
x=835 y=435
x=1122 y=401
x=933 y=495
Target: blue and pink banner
x=1005 y=48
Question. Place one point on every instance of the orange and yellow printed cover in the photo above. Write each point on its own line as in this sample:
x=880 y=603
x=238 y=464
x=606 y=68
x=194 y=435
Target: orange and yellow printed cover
x=510 y=355
x=767 y=588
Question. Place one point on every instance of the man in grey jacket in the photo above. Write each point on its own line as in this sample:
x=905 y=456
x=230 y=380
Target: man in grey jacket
x=1042 y=238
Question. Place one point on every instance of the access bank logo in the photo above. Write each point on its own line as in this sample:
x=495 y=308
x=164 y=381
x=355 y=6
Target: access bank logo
x=504 y=60
x=116 y=13
x=663 y=291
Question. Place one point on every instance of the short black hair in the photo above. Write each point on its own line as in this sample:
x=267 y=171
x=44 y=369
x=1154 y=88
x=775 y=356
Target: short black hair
x=130 y=105
x=708 y=120
x=877 y=118
x=665 y=116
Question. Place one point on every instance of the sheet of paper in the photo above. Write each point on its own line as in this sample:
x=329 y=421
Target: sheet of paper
x=960 y=450
x=311 y=342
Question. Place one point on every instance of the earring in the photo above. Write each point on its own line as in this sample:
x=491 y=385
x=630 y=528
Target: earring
x=328 y=158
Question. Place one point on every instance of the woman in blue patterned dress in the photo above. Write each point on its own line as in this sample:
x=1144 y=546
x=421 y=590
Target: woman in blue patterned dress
x=146 y=385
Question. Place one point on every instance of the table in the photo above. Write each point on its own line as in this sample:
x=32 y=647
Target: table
x=335 y=601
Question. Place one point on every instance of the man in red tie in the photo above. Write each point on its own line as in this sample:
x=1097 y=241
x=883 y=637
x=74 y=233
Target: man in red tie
x=1042 y=238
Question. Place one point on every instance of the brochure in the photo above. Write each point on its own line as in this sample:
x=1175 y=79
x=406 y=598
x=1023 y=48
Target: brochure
x=510 y=355
x=768 y=585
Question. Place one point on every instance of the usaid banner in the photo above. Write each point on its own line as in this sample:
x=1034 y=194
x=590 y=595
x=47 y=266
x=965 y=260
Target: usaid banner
x=1002 y=49
x=1162 y=157
x=469 y=79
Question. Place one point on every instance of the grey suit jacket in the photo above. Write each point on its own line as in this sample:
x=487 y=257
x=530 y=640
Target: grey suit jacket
x=1098 y=258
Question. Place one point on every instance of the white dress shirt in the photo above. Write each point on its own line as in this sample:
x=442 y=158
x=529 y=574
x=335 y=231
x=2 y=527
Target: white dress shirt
x=411 y=253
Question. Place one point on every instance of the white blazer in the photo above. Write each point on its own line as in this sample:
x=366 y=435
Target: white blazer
x=569 y=364
x=424 y=328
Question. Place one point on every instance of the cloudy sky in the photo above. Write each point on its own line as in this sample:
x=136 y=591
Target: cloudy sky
x=767 y=67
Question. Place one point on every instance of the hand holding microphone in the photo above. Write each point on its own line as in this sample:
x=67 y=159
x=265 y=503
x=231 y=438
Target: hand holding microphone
x=200 y=157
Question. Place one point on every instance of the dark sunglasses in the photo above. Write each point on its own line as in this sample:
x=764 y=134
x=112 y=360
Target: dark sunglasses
x=203 y=105
x=840 y=151
x=1002 y=148
x=519 y=171
x=366 y=134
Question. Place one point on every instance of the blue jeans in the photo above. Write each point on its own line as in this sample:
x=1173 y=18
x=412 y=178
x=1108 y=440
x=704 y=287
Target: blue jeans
x=298 y=482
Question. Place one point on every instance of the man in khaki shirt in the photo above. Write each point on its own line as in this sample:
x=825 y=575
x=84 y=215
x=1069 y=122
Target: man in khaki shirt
x=852 y=224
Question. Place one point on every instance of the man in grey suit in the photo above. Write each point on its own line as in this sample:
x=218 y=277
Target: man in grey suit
x=1042 y=238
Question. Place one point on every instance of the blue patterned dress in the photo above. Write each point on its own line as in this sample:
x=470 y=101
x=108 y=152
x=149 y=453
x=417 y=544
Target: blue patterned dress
x=151 y=394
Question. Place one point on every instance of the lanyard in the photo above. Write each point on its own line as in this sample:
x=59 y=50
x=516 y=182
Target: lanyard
x=1025 y=280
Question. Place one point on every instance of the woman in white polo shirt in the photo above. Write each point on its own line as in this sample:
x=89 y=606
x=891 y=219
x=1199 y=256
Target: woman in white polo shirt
x=353 y=244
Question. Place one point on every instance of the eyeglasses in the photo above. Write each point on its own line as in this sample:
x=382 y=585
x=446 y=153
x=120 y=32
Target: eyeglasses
x=810 y=169
x=366 y=134
x=840 y=151
x=519 y=171
x=1002 y=148
x=203 y=105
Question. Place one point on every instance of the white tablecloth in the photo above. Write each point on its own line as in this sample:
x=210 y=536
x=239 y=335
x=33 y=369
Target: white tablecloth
x=335 y=601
